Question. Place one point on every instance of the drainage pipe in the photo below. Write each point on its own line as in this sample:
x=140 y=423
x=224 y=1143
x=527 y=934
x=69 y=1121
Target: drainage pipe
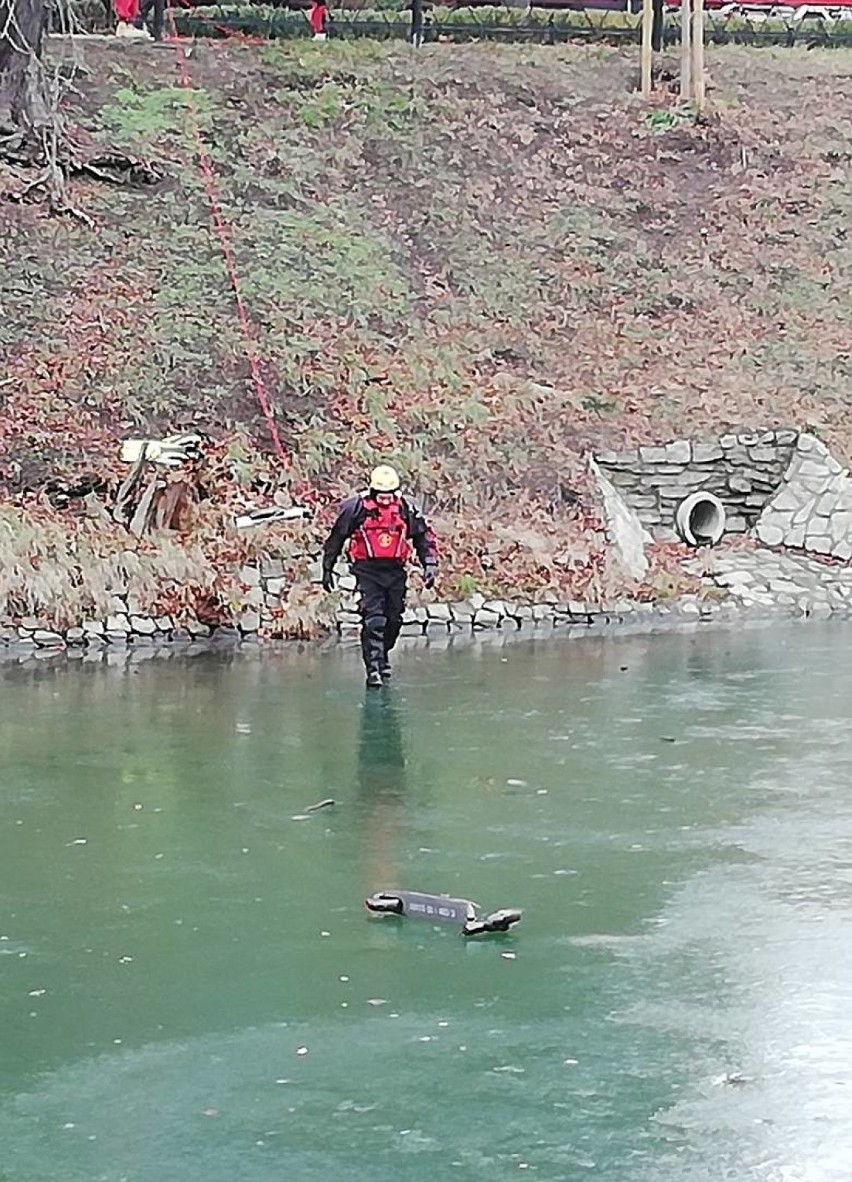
x=700 y=519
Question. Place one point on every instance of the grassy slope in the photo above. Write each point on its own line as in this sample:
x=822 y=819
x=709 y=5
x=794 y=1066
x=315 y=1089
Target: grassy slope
x=480 y=260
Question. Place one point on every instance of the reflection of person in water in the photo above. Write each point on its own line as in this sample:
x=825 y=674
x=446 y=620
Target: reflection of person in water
x=381 y=789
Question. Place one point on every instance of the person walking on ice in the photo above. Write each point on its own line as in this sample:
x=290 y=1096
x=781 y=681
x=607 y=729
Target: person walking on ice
x=383 y=529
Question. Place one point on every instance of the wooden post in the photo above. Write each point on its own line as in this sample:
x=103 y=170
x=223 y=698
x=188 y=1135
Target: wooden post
x=645 y=60
x=698 y=53
x=686 y=50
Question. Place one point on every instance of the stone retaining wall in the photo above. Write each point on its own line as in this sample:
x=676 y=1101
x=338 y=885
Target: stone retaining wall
x=480 y=614
x=462 y=620
x=812 y=511
x=784 y=484
x=758 y=582
x=792 y=584
x=743 y=471
x=125 y=629
x=128 y=624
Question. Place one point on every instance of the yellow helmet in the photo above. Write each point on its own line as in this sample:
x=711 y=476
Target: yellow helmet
x=384 y=479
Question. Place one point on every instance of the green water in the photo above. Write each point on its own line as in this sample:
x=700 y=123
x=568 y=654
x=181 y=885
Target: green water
x=676 y=1005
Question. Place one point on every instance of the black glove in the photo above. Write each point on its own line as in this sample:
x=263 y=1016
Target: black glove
x=430 y=574
x=327 y=580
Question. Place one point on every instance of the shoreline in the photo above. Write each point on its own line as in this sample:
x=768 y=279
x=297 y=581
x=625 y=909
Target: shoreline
x=642 y=620
x=738 y=586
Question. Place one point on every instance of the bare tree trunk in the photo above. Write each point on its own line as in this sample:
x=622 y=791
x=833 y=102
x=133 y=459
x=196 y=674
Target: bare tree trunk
x=33 y=132
x=24 y=100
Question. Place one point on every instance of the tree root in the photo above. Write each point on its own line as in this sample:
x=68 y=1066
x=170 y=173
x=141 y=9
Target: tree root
x=107 y=168
x=116 y=168
x=72 y=211
x=40 y=182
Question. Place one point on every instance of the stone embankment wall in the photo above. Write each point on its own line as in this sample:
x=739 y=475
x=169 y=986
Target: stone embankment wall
x=784 y=486
x=743 y=471
x=128 y=629
x=128 y=624
x=812 y=510
x=783 y=583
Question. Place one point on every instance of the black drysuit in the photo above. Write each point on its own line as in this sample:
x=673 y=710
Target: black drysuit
x=381 y=582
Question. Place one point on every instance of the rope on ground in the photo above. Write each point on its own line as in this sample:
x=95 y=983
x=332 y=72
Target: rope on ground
x=223 y=232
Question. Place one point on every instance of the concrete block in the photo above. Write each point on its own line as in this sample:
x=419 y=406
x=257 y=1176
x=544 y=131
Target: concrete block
x=763 y=455
x=271 y=568
x=46 y=638
x=249 y=576
x=653 y=455
x=706 y=453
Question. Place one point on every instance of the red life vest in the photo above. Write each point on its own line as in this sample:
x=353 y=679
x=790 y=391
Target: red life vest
x=384 y=533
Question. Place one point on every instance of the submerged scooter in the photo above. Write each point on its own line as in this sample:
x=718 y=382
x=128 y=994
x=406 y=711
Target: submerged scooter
x=443 y=909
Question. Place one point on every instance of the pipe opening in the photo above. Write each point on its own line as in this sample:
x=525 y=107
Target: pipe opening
x=700 y=519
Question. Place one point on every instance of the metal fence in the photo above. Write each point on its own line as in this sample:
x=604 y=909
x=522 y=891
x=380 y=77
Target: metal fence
x=519 y=26
x=744 y=26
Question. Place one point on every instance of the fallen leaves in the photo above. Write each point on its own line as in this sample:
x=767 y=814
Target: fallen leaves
x=549 y=272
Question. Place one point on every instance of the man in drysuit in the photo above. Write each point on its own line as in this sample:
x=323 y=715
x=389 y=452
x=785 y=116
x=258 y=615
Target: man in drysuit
x=383 y=530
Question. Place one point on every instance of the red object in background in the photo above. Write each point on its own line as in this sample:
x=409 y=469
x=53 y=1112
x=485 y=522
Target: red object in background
x=126 y=10
x=318 y=16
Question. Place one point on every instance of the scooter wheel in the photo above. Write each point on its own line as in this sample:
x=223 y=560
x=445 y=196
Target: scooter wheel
x=497 y=921
x=384 y=904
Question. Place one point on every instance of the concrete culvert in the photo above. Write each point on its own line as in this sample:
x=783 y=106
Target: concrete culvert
x=700 y=519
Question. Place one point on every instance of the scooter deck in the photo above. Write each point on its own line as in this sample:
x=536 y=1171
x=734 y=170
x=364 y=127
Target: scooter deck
x=443 y=909
x=437 y=908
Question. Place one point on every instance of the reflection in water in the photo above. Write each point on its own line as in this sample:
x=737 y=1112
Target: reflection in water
x=381 y=782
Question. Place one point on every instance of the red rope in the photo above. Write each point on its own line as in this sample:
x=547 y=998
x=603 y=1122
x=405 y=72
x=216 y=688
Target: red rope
x=223 y=232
